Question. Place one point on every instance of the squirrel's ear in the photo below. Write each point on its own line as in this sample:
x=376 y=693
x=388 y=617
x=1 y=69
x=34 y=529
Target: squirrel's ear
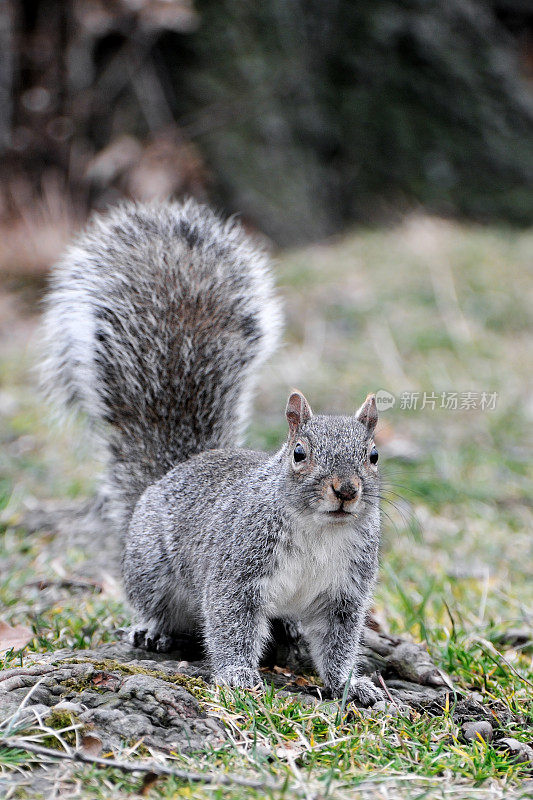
x=368 y=413
x=298 y=411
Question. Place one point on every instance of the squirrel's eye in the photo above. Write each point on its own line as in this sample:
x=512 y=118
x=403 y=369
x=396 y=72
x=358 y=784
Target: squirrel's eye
x=299 y=453
x=374 y=455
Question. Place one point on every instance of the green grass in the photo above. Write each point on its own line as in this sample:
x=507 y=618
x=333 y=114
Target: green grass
x=428 y=307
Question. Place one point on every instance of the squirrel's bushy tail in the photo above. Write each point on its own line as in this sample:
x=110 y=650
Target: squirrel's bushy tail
x=156 y=323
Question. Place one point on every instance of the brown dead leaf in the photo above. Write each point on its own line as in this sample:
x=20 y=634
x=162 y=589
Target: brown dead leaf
x=149 y=781
x=15 y=638
x=106 y=680
x=91 y=745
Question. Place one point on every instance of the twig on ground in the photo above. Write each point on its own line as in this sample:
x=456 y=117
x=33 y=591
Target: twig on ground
x=386 y=690
x=147 y=767
x=65 y=583
x=494 y=655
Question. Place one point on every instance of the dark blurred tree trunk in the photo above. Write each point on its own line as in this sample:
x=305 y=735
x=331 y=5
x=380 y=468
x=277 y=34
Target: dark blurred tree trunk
x=6 y=73
x=85 y=82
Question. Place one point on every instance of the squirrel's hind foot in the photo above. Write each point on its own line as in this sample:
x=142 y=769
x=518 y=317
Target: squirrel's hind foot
x=237 y=676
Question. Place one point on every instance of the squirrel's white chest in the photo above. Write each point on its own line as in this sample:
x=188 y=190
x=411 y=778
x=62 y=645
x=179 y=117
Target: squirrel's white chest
x=308 y=570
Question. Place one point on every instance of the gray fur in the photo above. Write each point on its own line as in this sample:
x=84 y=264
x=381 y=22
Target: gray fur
x=157 y=322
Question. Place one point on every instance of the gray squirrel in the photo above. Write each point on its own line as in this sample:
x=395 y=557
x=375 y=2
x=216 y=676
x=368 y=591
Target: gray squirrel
x=157 y=321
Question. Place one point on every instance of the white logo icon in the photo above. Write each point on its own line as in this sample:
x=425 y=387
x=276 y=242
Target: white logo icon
x=384 y=400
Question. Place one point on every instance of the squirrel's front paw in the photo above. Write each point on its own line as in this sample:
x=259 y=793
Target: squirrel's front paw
x=363 y=691
x=148 y=639
x=244 y=677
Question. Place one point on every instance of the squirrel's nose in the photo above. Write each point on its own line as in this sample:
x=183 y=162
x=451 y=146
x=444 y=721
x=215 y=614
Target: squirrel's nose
x=346 y=491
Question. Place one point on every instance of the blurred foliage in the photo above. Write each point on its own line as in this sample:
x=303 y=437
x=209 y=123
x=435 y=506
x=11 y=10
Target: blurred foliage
x=299 y=114
x=337 y=107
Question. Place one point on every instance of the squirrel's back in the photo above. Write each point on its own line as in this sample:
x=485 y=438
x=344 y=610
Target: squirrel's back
x=157 y=321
